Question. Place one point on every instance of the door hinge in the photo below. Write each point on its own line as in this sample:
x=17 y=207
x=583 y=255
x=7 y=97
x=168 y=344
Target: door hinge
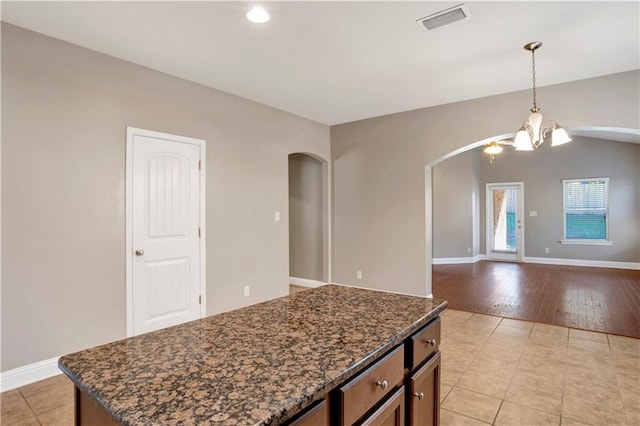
x=199 y=164
x=199 y=232
x=200 y=300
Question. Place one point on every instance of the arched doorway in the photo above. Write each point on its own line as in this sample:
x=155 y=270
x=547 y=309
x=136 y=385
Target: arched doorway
x=309 y=222
x=541 y=245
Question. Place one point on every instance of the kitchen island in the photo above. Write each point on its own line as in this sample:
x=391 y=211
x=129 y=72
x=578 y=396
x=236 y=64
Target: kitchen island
x=259 y=365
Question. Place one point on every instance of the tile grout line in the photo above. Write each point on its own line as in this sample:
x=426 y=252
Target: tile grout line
x=484 y=344
x=504 y=398
x=497 y=412
x=29 y=405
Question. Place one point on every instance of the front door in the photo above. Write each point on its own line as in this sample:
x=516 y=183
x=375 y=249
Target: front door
x=505 y=227
x=164 y=239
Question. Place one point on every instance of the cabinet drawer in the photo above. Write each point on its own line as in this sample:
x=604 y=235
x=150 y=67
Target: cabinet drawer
x=370 y=386
x=424 y=343
x=391 y=413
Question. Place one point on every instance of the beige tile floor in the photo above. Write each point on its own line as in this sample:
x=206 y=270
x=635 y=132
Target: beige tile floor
x=495 y=371
x=47 y=402
x=500 y=371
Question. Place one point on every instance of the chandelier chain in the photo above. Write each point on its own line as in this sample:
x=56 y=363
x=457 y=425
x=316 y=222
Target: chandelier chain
x=533 y=68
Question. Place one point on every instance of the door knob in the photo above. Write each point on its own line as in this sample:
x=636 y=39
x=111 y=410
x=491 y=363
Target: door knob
x=139 y=252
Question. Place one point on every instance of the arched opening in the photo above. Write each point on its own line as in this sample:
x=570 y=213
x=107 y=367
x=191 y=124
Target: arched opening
x=543 y=201
x=309 y=221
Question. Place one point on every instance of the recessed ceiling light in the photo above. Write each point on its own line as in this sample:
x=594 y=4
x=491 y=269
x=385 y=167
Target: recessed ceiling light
x=258 y=15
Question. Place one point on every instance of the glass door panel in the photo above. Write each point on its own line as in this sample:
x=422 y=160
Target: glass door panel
x=505 y=216
x=505 y=235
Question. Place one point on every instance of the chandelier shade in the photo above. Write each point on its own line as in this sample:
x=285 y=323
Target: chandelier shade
x=492 y=149
x=559 y=136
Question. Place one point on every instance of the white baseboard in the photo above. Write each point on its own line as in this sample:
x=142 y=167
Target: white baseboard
x=580 y=262
x=21 y=376
x=303 y=282
x=453 y=260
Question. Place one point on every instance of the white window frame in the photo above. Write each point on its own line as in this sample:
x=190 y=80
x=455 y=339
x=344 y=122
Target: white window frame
x=606 y=240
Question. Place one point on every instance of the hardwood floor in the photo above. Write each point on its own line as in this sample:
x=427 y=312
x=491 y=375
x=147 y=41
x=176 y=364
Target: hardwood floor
x=598 y=299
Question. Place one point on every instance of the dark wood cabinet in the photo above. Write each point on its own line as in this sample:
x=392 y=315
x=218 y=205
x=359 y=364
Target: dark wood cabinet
x=423 y=399
x=412 y=370
x=88 y=412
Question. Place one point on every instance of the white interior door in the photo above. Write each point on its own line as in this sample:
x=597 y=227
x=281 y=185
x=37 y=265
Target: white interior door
x=165 y=247
x=505 y=221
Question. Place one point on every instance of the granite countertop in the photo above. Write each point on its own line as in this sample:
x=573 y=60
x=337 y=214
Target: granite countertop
x=258 y=365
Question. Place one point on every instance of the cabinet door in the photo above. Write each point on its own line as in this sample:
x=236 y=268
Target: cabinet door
x=391 y=413
x=424 y=394
x=316 y=416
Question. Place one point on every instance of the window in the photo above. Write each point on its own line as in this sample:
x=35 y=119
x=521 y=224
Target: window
x=586 y=203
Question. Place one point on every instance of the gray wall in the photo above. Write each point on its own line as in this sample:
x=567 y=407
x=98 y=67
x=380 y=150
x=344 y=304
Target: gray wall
x=305 y=217
x=452 y=194
x=64 y=113
x=542 y=172
x=477 y=193
x=379 y=170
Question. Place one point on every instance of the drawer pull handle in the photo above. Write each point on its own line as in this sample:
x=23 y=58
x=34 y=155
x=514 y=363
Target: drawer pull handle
x=420 y=395
x=383 y=384
x=431 y=342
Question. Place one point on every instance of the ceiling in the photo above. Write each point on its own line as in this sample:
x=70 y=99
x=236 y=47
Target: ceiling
x=336 y=62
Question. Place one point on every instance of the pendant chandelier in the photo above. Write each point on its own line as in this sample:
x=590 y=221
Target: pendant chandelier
x=532 y=132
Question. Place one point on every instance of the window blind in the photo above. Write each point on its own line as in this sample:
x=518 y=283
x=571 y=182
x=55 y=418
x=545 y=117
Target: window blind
x=585 y=209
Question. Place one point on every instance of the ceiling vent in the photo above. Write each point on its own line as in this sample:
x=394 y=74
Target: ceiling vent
x=444 y=17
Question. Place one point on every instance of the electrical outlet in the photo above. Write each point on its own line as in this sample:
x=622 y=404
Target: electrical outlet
x=358 y=275
x=546 y=249
x=276 y=216
x=247 y=291
x=468 y=249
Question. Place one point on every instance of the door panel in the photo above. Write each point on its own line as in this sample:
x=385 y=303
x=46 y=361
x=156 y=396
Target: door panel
x=165 y=233
x=168 y=193
x=424 y=395
x=505 y=205
x=390 y=413
x=168 y=296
